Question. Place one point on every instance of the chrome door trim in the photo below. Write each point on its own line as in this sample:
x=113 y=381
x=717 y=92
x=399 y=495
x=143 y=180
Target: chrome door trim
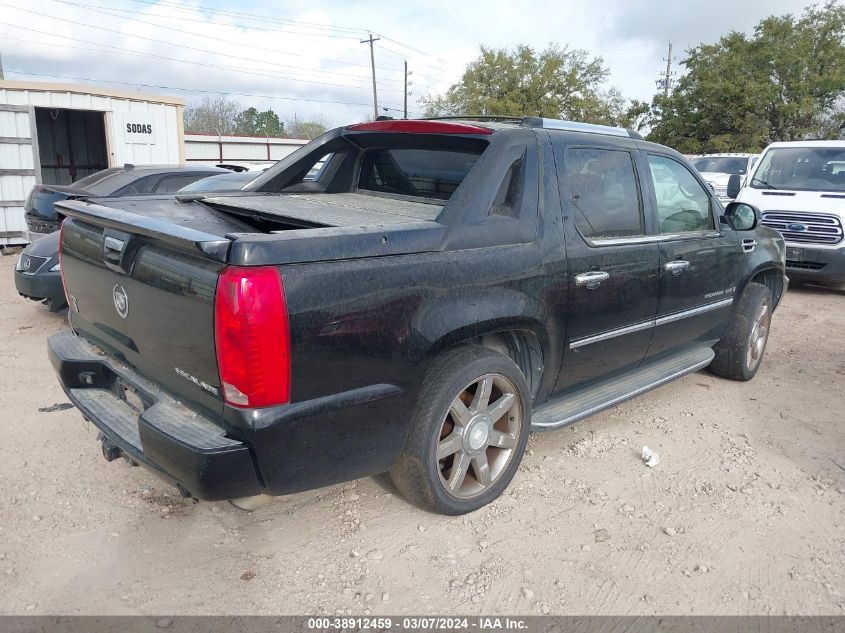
x=644 y=325
x=628 y=329
x=707 y=307
x=651 y=239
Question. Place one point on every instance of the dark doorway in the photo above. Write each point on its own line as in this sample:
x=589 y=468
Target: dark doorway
x=71 y=144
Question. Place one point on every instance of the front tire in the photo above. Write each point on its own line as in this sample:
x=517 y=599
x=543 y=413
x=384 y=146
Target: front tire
x=740 y=352
x=468 y=433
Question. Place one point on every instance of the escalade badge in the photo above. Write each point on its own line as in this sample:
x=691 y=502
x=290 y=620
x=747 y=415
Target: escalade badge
x=796 y=226
x=121 y=301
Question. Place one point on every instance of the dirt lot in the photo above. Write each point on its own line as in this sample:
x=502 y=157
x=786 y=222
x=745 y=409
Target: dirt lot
x=745 y=514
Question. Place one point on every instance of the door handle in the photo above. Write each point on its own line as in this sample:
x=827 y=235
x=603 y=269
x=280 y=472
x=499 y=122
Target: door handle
x=676 y=266
x=591 y=279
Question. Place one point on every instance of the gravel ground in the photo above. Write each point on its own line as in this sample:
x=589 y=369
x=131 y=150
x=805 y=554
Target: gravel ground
x=745 y=514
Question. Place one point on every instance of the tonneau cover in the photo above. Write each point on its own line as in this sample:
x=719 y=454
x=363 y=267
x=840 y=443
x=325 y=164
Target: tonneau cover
x=334 y=209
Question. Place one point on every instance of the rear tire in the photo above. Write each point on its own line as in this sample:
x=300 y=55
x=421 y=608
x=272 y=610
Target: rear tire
x=740 y=352
x=468 y=433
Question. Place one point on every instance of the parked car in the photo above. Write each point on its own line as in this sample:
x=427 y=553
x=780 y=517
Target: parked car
x=437 y=291
x=38 y=272
x=800 y=188
x=129 y=180
x=718 y=168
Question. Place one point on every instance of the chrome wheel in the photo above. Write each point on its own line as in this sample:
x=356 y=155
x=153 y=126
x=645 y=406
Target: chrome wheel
x=479 y=435
x=759 y=335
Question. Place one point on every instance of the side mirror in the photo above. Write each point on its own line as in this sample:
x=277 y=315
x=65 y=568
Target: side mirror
x=734 y=185
x=741 y=216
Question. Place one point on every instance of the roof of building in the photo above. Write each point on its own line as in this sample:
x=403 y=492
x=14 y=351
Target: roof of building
x=88 y=89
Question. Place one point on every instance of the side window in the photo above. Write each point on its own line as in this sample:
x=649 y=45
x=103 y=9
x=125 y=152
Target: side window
x=683 y=205
x=509 y=198
x=317 y=169
x=604 y=191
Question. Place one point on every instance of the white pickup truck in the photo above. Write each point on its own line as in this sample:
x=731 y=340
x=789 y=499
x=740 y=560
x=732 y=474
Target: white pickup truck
x=799 y=187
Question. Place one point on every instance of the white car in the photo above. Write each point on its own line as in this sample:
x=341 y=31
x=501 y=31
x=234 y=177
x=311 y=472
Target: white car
x=716 y=169
x=799 y=187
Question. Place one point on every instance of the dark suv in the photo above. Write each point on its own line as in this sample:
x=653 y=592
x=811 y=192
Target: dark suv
x=436 y=291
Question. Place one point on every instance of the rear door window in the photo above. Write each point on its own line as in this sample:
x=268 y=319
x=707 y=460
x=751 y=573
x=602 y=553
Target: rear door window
x=604 y=193
x=422 y=173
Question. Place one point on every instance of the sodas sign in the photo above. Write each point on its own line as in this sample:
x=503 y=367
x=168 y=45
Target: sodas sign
x=139 y=129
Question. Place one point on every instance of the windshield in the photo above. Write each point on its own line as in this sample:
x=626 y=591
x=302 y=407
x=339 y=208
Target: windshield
x=802 y=169
x=721 y=164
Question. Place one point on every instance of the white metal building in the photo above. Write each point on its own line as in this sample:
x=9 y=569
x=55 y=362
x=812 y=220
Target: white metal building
x=213 y=150
x=57 y=133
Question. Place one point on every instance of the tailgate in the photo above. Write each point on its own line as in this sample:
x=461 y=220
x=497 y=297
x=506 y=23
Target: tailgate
x=143 y=290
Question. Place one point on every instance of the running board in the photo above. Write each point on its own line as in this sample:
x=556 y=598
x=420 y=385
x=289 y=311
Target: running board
x=608 y=393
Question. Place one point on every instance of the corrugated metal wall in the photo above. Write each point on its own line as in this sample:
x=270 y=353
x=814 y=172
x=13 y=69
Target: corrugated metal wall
x=200 y=148
x=17 y=171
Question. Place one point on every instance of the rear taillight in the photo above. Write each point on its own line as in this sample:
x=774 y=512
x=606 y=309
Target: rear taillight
x=62 y=266
x=252 y=337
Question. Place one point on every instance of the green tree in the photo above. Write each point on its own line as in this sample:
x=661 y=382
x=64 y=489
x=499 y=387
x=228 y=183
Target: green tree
x=251 y=122
x=783 y=83
x=556 y=83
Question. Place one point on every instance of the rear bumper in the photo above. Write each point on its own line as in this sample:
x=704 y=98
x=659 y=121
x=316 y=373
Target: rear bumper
x=176 y=443
x=40 y=226
x=817 y=264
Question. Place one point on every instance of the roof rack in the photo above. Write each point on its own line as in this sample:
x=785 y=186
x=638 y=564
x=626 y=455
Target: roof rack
x=577 y=126
x=475 y=117
x=549 y=124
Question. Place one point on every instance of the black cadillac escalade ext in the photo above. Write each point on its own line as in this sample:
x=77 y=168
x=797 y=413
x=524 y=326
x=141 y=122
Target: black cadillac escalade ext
x=432 y=292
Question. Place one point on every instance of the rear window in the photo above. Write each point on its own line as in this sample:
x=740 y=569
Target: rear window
x=96 y=178
x=105 y=184
x=420 y=173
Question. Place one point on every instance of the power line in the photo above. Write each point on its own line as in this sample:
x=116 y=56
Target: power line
x=149 y=39
x=110 y=11
x=197 y=90
x=266 y=18
x=144 y=54
x=350 y=33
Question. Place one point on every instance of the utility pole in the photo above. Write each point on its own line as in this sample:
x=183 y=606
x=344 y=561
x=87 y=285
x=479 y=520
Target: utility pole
x=405 y=93
x=1 y=64
x=373 y=66
x=666 y=82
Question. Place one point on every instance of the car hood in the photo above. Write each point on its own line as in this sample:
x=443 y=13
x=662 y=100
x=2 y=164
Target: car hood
x=716 y=178
x=47 y=246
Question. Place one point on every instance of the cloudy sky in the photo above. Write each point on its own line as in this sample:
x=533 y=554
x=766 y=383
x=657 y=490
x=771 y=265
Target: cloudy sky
x=306 y=59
